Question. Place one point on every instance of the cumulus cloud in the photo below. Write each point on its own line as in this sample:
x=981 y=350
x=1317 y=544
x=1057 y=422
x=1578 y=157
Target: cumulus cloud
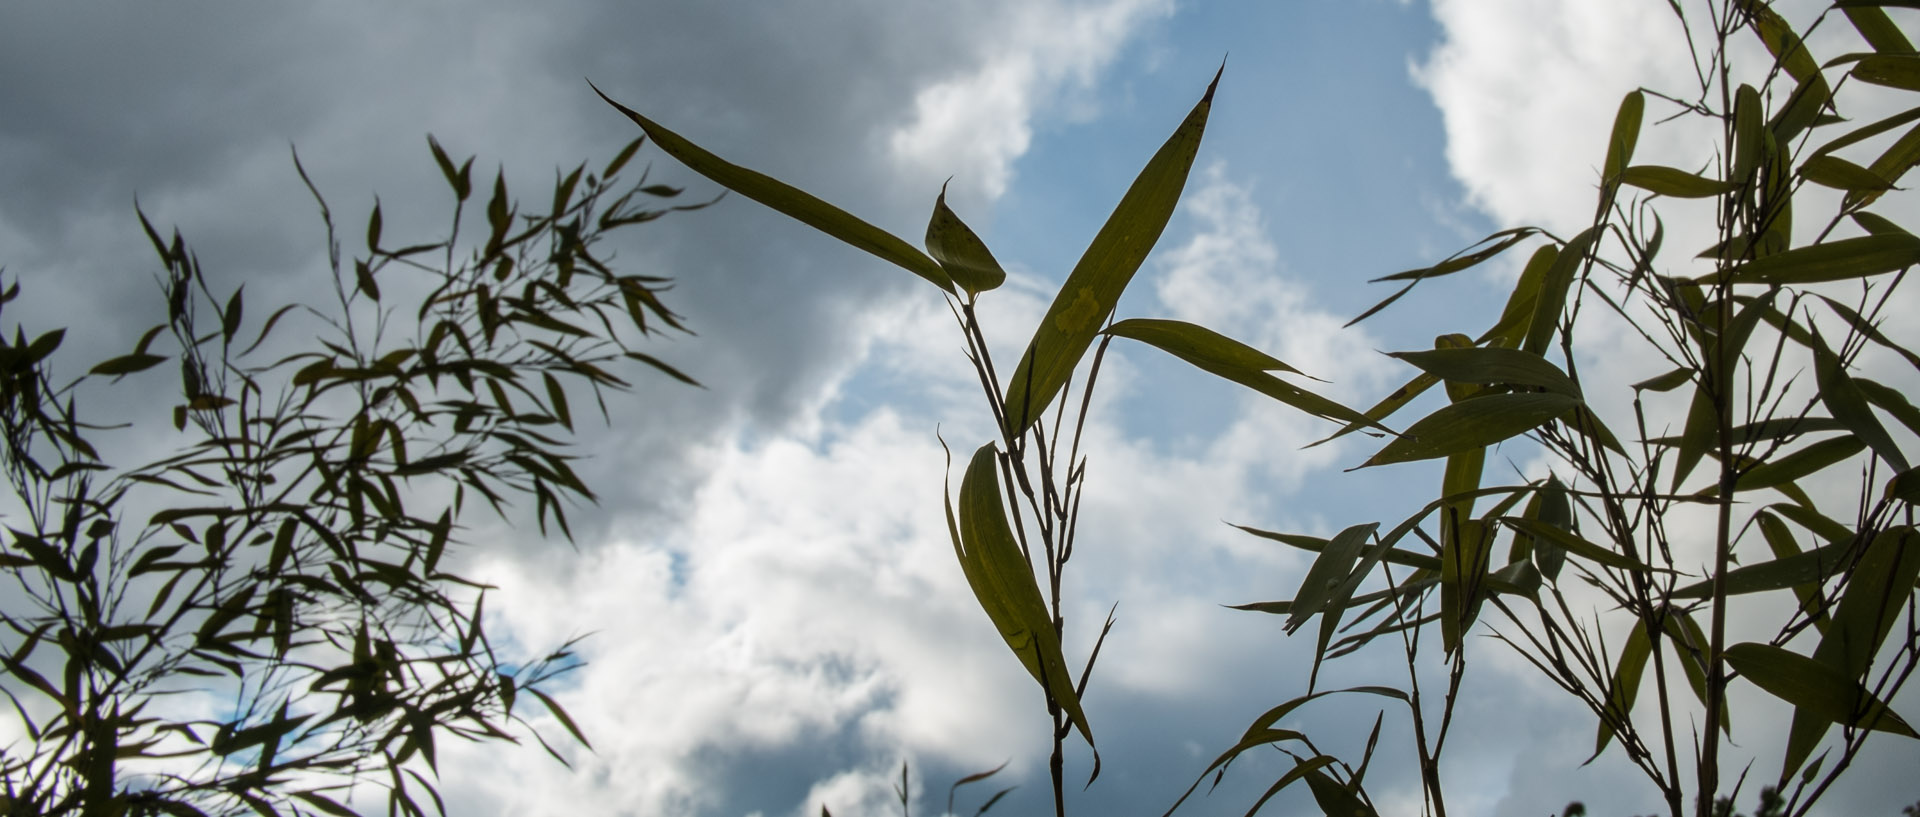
x=981 y=118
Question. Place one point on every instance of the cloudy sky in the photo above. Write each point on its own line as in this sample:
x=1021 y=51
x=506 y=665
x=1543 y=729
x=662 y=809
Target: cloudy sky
x=777 y=617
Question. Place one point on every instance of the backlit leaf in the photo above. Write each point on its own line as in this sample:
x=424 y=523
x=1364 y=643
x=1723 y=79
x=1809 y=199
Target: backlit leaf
x=1674 y=182
x=792 y=201
x=1849 y=406
x=1841 y=260
x=1492 y=365
x=1472 y=423
x=960 y=252
x=1093 y=288
x=1003 y=582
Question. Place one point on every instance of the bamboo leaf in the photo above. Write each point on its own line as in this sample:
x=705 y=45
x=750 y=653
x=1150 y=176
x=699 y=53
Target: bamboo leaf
x=1625 y=134
x=1891 y=70
x=1232 y=360
x=1674 y=182
x=1849 y=406
x=1472 y=423
x=1624 y=686
x=789 y=200
x=1093 y=288
x=1572 y=543
x=960 y=252
x=1814 y=688
x=1841 y=260
x=1492 y=365
x=1003 y=582
x=1840 y=174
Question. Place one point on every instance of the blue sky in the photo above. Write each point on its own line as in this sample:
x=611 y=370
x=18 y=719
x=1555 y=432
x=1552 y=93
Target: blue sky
x=778 y=619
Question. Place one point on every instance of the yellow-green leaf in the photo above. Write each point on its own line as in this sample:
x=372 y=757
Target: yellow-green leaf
x=1093 y=288
x=1572 y=543
x=1849 y=406
x=1840 y=174
x=1841 y=260
x=960 y=252
x=1891 y=70
x=1472 y=423
x=1674 y=182
x=1003 y=582
x=1626 y=133
x=792 y=201
x=1492 y=365
x=1624 y=686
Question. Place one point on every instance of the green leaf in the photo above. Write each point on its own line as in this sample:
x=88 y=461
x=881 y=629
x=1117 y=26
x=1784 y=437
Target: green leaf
x=1472 y=423
x=1809 y=567
x=620 y=159
x=1666 y=382
x=1626 y=133
x=1849 y=406
x=1334 y=799
x=1814 y=688
x=1879 y=30
x=1093 y=288
x=1572 y=543
x=561 y=715
x=1232 y=360
x=1313 y=544
x=1891 y=70
x=1624 y=686
x=1491 y=366
x=1198 y=345
x=373 y=228
x=792 y=201
x=1674 y=182
x=1553 y=291
x=1840 y=174
x=1003 y=582
x=1328 y=573
x=1801 y=463
x=326 y=804
x=1841 y=260
x=128 y=364
x=459 y=180
x=960 y=252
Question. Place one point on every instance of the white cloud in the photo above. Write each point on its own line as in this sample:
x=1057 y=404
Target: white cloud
x=981 y=119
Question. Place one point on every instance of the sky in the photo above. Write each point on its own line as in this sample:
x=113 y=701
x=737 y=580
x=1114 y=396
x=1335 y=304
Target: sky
x=776 y=617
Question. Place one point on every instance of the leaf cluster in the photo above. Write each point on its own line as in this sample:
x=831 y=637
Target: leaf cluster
x=262 y=620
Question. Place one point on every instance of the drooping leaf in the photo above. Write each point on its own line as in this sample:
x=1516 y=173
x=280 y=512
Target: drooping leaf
x=1624 y=686
x=1232 y=360
x=791 y=201
x=1849 y=406
x=1003 y=582
x=1092 y=289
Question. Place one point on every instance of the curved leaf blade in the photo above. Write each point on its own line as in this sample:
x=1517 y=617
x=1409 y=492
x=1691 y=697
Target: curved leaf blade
x=960 y=251
x=789 y=200
x=1093 y=288
x=1472 y=423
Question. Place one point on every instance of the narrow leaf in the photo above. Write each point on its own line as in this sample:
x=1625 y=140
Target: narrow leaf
x=1093 y=288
